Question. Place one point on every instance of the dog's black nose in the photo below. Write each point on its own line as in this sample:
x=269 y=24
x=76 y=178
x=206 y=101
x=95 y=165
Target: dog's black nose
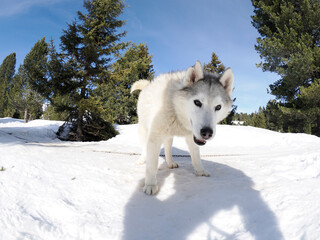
x=206 y=133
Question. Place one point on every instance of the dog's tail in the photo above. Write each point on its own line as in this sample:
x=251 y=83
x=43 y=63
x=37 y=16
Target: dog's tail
x=139 y=85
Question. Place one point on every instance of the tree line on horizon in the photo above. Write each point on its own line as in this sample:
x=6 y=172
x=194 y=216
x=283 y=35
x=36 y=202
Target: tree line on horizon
x=86 y=82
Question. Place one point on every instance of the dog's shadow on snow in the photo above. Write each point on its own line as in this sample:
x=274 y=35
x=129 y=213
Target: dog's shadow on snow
x=192 y=202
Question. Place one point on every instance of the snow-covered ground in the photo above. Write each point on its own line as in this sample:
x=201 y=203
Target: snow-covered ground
x=263 y=185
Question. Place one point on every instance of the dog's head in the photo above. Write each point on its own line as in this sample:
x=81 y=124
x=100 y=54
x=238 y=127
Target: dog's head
x=205 y=100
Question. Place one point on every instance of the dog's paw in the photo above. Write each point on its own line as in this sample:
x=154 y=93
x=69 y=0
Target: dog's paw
x=150 y=189
x=173 y=165
x=202 y=173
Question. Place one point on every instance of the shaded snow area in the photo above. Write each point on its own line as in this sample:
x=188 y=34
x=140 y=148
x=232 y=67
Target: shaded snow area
x=263 y=185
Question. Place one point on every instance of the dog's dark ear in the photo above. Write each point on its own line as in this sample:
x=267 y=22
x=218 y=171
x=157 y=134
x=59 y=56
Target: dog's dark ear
x=226 y=80
x=194 y=74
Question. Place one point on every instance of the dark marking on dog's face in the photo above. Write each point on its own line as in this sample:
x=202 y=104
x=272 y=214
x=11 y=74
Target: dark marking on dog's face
x=208 y=103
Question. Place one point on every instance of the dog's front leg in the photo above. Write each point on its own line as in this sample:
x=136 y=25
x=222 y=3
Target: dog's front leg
x=153 y=149
x=168 y=153
x=195 y=157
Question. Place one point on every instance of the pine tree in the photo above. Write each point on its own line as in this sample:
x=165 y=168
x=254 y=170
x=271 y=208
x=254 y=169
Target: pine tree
x=274 y=116
x=259 y=119
x=14 y=97
x=290 y=46
x=7 y=70
x=35 y=67
x=88 y=44
x=70 y=79
x=34 y=74
x=133 y=65
x=215 y=65
x=27 y=103
x=289 y=43
x=61 y=88
x=310 y=98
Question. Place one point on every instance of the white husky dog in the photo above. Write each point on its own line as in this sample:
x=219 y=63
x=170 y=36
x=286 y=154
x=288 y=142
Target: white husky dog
x=188 y=103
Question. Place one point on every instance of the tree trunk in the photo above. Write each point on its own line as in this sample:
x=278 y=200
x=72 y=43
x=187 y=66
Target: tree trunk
x=26 y=118
x=79 y=136
x=318 y=126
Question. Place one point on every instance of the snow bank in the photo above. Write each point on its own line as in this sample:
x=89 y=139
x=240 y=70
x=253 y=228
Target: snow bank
x=33 y=131
x=263 y=185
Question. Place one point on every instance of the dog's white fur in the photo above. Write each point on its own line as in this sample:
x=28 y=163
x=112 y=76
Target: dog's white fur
x=166 y=108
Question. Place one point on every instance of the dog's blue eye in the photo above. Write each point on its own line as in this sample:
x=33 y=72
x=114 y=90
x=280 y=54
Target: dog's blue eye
x=218 y=107
x=197 y=103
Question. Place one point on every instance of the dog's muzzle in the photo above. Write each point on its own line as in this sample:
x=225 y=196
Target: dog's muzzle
x=206 y=133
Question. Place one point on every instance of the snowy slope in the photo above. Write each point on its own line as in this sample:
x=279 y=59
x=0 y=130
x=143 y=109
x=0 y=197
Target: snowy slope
x=263 y=185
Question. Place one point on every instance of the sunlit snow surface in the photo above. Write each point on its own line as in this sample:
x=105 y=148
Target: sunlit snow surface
x=263 y=185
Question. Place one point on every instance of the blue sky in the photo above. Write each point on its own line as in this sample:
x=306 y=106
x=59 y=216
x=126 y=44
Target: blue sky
x=178 y=32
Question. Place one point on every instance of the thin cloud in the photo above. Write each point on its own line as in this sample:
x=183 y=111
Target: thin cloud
x=14 y=7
